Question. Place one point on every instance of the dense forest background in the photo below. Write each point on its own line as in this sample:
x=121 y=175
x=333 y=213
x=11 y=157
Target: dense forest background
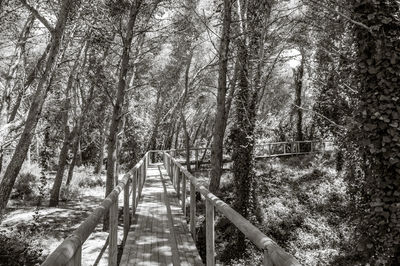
x=88 y=83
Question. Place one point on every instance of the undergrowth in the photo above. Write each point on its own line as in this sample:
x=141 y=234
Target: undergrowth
x=305 y=210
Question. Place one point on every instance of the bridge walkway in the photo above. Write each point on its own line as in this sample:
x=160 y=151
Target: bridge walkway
x=159 y=234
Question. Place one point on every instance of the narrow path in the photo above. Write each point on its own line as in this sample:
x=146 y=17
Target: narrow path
x=160 y=235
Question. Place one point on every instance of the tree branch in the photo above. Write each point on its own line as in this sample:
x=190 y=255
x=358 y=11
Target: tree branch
x=343 y=15
x=42 y=19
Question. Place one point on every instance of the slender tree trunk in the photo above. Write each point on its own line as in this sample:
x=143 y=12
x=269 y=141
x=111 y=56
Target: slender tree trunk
x=13 y=69
x=100 y=159
x=34 y=73
x=177 y=132
x=118 y=105
x=220 y=117
x=19 y=155
x=298 y=82
x=62 y=160
x=74 y=159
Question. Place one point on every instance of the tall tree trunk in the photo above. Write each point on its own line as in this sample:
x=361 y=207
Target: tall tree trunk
x=377 y=133
x=157 y=119
x=298 y=83
x=177 y=132
x=75 y=135
x=10 y=83
x=220 y=117
x=118 y=105
x=19 y=155
x=29 y=80
x=100 y=159
x=62 y=160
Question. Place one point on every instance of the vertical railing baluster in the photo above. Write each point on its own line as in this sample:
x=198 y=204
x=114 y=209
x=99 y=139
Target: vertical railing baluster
x=126 y=210
x=184 y=194
x=76 y=260
x=113 y=234
x=197 y=163
x=267 y=259
x=210 y=234
x=134 y=185
x=193 y=210
x=178 y=182
x=139 y=176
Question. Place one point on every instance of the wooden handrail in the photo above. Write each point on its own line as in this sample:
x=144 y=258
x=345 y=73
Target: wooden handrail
x=69 y=252
x=273 y=254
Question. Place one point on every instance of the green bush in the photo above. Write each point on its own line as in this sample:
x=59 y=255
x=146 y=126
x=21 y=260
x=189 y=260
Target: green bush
x=17 y=250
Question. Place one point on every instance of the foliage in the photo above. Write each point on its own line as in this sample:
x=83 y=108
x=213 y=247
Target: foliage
x=25 y=186
x=18 y=250
x=377 y=134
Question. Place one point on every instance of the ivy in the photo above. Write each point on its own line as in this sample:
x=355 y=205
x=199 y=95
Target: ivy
x=377 y=135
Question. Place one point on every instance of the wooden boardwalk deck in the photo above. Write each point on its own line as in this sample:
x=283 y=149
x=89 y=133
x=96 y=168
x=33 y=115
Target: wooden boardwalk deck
x=159 y=235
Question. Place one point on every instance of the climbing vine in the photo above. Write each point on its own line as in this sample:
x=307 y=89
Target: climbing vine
x=378 y=128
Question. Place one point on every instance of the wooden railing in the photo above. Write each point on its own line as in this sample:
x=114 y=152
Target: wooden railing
x=273 y=254
x=272 y=149
x=69 y=252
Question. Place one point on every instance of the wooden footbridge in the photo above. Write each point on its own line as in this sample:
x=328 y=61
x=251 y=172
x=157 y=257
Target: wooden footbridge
x=156 y=228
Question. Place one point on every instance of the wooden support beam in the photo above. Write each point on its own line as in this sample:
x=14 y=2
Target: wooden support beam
x=184 y=194
x=134 y=188
x=210 y=234
x=76 y=260
x=126 y=211
x=113 y=233
x=193 y=210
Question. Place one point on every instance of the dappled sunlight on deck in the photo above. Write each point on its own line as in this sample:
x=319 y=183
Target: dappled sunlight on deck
x=159 y=235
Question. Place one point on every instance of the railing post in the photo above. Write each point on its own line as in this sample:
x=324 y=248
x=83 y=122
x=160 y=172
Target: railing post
x=267 y=259
x=139 y=176
x=113 y=235
x=197 y=163
x=184 y=194
x=76 y=260
x=178 y=182
x=193 y=210
x=210 y=234
x=134 y=185
x=143 y=173
x=126 y=210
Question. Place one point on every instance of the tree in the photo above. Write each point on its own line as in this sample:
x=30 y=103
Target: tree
x=39 y=97
x=220 y=117
x=377 y=133
x=117 y=115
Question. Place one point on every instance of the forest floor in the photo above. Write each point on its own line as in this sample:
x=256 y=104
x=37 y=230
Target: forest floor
x=44 y=228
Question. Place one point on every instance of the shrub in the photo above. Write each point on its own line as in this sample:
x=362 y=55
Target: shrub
x=70 y=192
x=25 y=185
x=92 y=181
x=18 y=250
